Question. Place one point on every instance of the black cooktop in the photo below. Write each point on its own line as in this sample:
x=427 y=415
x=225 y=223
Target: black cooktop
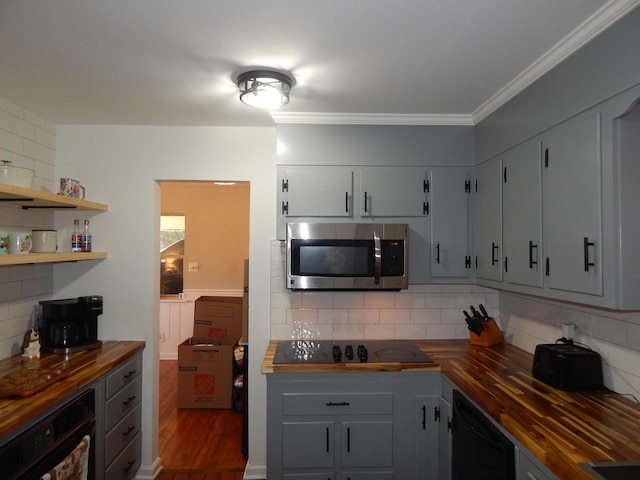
x=349 y=351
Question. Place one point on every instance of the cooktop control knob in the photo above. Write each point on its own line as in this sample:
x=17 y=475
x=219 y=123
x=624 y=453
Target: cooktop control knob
x=337 y=353
x=348 y=351
x=363 y=354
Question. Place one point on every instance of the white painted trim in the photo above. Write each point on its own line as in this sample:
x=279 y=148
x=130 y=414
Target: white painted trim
x=369 y=119
x=602 y=19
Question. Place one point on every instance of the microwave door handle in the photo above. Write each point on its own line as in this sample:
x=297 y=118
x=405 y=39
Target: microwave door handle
x=377 y=258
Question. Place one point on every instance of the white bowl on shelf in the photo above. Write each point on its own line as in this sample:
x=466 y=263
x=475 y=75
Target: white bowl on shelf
x=16 y=176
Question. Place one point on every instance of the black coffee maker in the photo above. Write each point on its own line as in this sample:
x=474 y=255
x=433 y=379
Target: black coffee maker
x=70 y=325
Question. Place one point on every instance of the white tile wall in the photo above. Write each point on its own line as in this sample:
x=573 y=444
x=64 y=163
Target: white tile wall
x=28 y=141
x=421 y=312
x=528 y=322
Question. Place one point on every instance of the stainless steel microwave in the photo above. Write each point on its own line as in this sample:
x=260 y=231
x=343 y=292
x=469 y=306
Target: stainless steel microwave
x=347 y=256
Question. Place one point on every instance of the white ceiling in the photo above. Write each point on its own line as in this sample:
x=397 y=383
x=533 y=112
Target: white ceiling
x=173 y=62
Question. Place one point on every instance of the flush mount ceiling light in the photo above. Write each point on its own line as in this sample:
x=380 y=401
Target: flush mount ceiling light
x=264 y=88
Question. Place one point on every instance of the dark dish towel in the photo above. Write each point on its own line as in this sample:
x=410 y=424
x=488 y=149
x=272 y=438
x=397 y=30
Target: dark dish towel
x=74 y=466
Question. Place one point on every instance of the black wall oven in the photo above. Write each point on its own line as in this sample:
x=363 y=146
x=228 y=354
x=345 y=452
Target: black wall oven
x=347 y=256
x=61 y=436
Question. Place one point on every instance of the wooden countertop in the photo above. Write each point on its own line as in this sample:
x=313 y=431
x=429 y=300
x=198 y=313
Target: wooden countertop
x=560 y=428
x=81 y=369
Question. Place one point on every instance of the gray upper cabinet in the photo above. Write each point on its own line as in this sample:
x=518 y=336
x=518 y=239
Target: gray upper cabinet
x=522 y=214
x=572 y=205
x=449 y=211
x=392 y=192
x=488 y=206
x=316 y=191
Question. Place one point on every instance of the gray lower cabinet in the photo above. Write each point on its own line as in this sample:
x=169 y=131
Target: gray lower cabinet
x=122 y=421
x=527 y=468
x=350 y=426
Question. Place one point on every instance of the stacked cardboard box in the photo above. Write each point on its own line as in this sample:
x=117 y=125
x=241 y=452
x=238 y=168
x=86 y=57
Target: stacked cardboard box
x=205 y=361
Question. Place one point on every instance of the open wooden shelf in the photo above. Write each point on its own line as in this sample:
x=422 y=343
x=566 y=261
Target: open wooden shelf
x=27 y=258
x=29 y=198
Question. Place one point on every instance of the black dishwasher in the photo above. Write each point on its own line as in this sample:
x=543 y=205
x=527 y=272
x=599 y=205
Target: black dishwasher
x=480 y=451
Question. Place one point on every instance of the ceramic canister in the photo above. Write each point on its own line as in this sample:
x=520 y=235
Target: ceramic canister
x=4 y=243
x=44 y=241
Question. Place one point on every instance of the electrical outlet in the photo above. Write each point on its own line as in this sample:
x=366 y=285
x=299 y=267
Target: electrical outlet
x=194 y=266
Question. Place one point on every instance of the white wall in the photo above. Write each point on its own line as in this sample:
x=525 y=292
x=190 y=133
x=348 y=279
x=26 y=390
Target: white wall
x=119 y=165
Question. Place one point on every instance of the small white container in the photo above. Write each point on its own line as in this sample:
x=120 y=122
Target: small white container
x=44 y=241
x=17 y=176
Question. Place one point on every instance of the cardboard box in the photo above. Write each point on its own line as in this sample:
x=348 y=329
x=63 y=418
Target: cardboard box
x=218 y=319
x=205 y=374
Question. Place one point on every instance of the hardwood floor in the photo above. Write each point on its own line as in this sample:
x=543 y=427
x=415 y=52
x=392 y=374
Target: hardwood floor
x=196 y=444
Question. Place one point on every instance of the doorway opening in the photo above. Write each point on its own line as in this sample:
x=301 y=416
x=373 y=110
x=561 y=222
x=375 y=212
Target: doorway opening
x=211 y=260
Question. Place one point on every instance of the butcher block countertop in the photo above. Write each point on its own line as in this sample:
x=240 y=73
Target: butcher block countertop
x=79 y=369
x=560 y=428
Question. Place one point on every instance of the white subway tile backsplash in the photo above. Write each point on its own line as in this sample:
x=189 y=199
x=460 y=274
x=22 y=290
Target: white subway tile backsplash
x=378 y=332
x=408 y=332
x=364 y=316
x=333 y=316
x=395 y=316
x=23 y=128
x=317 y=300
x=411 y=300
x=348 y=300
x=379 y=300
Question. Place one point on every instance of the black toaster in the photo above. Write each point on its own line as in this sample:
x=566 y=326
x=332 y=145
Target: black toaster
x=568 y=367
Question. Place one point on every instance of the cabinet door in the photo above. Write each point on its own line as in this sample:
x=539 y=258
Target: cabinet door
x=392 y=192
x=449 y=191
x=427 y=437
x=316 y=192
x=444 y=439
x=522 y=213
x=307 y=445
x=572 y=206
x=367 y=444
x=488 y=203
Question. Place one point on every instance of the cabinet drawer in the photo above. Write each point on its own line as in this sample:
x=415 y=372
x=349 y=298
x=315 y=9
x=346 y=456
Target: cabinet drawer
x=122 y=403
x=128 y=462
x=528 y=470
x=123 y=433
x=337 y=403
x=124 y=375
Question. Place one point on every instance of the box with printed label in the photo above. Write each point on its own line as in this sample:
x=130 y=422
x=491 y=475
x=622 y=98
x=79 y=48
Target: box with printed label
x=218 y=319
x=205 y=374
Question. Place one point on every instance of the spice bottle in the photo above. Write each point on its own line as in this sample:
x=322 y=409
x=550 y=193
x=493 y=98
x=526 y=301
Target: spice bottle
x=76 y=237
x=86 y=237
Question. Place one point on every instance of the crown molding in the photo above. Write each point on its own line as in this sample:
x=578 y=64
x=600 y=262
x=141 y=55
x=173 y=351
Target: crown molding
x=369 y=119
x=602 y=19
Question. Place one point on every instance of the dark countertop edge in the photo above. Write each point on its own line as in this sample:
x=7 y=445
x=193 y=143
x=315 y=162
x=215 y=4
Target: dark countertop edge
x=99 y=361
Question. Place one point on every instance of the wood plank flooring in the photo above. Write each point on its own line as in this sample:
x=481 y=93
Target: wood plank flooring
x=196 y=444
